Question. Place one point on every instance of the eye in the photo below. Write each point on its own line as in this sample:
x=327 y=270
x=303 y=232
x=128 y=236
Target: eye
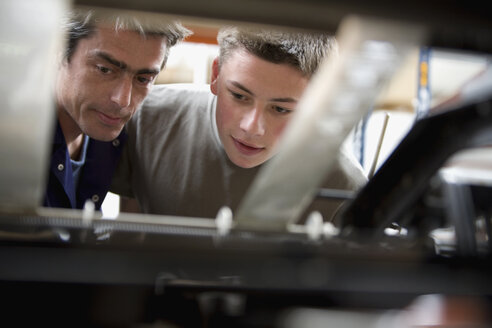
x=104 y=69
x=282 y=110
x=238 y=96
x=145 y=80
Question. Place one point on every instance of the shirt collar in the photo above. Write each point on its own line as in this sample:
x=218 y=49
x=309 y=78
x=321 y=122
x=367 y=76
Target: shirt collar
x=213 y=120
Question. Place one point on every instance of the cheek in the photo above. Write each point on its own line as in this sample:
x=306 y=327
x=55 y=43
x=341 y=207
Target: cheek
x=225 y=115
x=89 y=91
x=70 y=89
x=276 y=131
x=138 y=96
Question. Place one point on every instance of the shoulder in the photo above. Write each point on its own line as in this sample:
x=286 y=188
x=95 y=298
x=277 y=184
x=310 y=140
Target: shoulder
x=171 y=110
x=169 y=102
x=176 y=95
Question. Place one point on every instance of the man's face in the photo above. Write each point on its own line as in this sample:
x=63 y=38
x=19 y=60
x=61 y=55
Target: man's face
x=255 y=100
x=107 y=78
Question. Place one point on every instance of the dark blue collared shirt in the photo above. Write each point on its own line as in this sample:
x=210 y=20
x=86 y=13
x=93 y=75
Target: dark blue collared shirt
x=95 y=176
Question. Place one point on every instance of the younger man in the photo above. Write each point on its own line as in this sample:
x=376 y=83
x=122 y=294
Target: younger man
x=190 y=151
x=107 y=70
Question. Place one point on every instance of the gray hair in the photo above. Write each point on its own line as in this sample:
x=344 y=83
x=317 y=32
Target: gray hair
x=302 y=50
x=79 y=24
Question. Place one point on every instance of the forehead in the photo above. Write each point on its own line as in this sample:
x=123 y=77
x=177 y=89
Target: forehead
x=125 y=45
x=262 y=76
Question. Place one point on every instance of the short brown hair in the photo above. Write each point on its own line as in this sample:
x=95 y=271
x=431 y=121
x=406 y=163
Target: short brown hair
x=79 y=24
x=302 y=50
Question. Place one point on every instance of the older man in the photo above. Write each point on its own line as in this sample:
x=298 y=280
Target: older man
x=109 y=67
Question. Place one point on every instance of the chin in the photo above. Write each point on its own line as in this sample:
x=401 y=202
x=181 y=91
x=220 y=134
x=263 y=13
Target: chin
x=246 y=164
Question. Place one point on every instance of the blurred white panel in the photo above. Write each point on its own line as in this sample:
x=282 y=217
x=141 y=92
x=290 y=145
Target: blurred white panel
x=30 y=38
x=111 y=206
x=399 y=123
x=450 y=71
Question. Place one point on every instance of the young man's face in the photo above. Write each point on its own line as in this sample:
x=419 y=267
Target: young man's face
x=106 y=79
x=255 y=100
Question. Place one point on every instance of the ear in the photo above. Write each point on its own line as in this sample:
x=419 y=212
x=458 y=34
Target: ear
x=215 y=75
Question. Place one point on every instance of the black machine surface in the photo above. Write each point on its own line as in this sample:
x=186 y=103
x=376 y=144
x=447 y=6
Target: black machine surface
x=58 y=269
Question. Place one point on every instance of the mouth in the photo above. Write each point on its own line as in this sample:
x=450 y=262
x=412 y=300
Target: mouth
x=246 y=148
x=109 y=120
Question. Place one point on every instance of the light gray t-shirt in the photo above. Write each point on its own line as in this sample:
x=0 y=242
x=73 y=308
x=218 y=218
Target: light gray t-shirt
x=174 y=162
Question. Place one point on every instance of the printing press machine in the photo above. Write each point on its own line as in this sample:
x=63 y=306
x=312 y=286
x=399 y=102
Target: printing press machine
x=415 y=229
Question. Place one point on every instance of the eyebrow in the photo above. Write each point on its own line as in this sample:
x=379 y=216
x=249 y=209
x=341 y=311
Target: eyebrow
x=107 y=57
x=242 y=87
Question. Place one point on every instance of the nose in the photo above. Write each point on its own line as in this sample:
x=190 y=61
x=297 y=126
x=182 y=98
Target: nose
x=122 y=92
x=253 y=122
